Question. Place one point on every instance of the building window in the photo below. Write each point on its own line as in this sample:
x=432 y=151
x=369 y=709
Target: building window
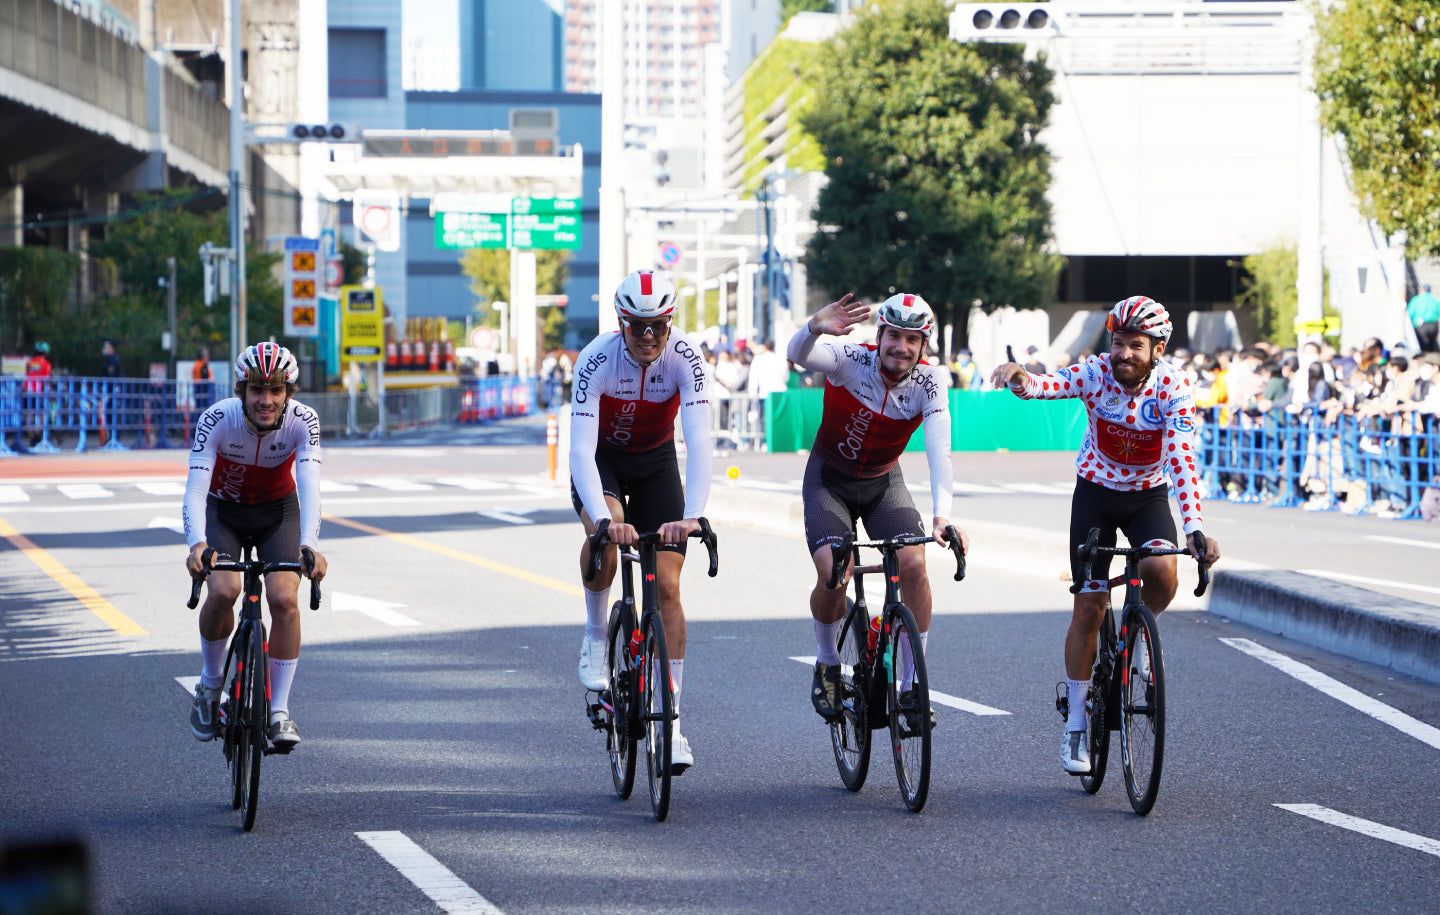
x=357 y=63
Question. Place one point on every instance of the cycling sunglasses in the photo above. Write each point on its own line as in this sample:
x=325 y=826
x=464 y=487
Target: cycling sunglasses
x=643 y=329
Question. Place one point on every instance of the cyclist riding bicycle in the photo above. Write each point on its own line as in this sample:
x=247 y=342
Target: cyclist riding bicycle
x=875 y=397
x=1141 y=428
x=254 y=478
x=628 y=387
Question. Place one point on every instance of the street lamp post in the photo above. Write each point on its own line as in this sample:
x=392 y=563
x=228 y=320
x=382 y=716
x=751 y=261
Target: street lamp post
x=237 y=183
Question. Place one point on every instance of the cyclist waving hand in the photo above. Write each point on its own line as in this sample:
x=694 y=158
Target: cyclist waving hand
x=1141 y=427
x=876 y=395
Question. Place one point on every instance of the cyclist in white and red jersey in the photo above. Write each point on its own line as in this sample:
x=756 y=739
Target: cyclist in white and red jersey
x=876 y=395
x=629 y=386
x=254 y=479
x=1141 y=429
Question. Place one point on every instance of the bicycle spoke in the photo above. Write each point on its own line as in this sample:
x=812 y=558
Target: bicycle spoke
x=621 y=733
x=909 y=703
x=659 y=711
x=850 y=735
x=1142 y=735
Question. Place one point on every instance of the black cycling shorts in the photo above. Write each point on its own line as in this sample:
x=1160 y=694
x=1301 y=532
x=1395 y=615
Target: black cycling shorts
x=1144 y=515
x=834 y=501
x=273 y=528
x=647 y=485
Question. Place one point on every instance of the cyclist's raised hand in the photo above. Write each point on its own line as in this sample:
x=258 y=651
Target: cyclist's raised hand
x=678 y=531
x=1212 y=549
x=195 y=562
x=938 y=532
x=838 y=318
x=1006 y=374
x=316 y=565
x=623 y=534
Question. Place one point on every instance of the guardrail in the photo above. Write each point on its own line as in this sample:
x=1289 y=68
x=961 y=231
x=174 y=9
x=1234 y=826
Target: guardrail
x=37 y=414
x=1379 y=465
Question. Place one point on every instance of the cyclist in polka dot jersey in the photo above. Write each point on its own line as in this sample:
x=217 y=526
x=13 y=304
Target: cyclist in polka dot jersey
x=1141 y=429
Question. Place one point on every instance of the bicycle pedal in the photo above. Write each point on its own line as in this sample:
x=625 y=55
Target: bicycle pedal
x=1062 y=700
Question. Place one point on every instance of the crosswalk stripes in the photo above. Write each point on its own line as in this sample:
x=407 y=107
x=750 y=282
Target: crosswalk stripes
x=13 y=494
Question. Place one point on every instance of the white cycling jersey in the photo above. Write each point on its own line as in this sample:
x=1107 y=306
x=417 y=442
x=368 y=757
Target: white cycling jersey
x=231 y=462
x=865 y=424
x=617 y=403
x=1131 y=441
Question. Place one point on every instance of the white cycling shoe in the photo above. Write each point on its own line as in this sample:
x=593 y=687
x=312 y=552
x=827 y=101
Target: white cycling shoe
x=1075 y=753
x=593 y=673
x=680 y=756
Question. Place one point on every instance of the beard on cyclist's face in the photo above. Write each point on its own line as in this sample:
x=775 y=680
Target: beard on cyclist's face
x=1133 y=356
x=900 y=350
x=265 y=405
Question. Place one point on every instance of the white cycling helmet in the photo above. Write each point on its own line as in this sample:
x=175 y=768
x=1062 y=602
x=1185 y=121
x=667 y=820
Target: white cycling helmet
x=645 y=296
x=1140 y=314
x=266 y=364
x=904 y=311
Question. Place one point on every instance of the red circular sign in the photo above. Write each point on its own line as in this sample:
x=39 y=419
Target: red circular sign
x=375 y=221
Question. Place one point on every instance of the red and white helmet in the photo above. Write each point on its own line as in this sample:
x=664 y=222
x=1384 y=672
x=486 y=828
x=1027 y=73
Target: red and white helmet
x=1140 y=314
x=645 y=296
x=904 y=311
x=267 y=364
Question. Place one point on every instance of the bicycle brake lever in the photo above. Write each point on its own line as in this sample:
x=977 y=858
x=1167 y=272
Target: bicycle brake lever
x=712 y=545
x=1201 y=546
x=953 y=536
x=839 y=558
x=597 y=548
x=194 y=600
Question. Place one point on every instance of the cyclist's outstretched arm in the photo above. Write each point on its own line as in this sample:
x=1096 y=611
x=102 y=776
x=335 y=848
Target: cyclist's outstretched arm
x=837 y=319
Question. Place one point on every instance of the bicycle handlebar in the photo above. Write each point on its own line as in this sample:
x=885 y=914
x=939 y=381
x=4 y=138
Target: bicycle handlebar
x=1088 y=550
x=207 y=559
x=842 y=549
x=601 y=538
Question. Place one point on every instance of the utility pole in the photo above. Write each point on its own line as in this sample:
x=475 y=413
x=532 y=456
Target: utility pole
x=170 y=309
x=237 y=183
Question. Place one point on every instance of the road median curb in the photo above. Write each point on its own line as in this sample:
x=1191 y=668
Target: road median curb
x=1365 y=625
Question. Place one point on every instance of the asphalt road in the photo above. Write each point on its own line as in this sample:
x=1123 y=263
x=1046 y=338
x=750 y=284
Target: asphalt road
x=440 y=711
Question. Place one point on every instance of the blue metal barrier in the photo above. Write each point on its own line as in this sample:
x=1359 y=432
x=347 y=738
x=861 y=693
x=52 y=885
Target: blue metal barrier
x=484 y=400
x=1286 y=459
x=151 y=414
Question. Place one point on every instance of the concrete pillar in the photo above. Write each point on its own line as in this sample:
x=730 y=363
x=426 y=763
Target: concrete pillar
x=12 y=216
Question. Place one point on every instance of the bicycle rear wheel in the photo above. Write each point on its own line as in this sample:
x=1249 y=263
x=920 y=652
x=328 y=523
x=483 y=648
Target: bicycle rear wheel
x=657 y=709
x=621 y=735
x=250 y=748
x=1142 y=709
x=909 y=707
x=850 y=735
x=1098 y=732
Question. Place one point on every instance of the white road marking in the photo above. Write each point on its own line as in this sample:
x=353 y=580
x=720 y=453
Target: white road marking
x=972 y=489
x=336 y=486
x=1365 y=827
x=162 y=488
x=398 y=484
x=1339 y=691
x=382 y=610
x=516 y=517
x=1403 y=541
x=189 y=683
x=84 y=490
x=1362 y=580
x=433 y=879
x=964 y=705
x=13 y=494
x=769 y=486
x=172 y=524
x=478 y=484
x=1045 y=489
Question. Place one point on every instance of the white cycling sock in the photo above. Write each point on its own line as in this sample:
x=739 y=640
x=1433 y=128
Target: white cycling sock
x=827 y=651
x=677 y=674
x=1076 y=691
x=212 y=668
x=282 y=673
x=597 y=613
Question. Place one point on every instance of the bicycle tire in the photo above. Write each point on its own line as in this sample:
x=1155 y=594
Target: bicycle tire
x=1098 y=732
x=658 y=711
x=909 y=727
x=1142 y=710
x=256 y=720
x=622 y=733
x=850 y=735
x=229 y=733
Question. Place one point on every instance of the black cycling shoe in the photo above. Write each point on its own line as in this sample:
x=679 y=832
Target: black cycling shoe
x=827 y=692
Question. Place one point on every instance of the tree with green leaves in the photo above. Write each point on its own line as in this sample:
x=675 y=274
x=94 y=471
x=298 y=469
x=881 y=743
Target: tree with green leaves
x=1268 y=293
x=789 y=8
x=489 y=272
x=937 y=179
x=34 y=286
x=1377 y=72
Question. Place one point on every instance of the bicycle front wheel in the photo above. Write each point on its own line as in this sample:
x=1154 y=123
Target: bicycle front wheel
x=657 y=709
x=850 y=735
x=250 y=749
x=908 y=698
x=1142 y=709
x=621 y=735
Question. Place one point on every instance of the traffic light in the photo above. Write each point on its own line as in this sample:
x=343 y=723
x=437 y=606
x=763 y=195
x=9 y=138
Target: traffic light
x=334 y=132
x=1004 y=22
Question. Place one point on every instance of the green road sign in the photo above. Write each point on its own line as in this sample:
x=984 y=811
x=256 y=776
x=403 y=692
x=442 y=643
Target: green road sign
x=549 y=231
x=471 y=230
x=544 y=206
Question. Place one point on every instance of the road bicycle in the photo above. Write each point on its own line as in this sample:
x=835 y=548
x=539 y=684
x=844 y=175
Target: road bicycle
x=245 y=706
x=1132 y=703
x=882 y=671
x=638 y=702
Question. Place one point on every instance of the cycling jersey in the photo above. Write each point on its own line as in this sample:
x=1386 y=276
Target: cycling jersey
x=619 y=405
x=865 y=424
x=1131 y=441
x=231 y=463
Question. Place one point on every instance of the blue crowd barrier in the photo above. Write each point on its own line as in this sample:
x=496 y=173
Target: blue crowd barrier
x=1286 y=459
x=150 y=414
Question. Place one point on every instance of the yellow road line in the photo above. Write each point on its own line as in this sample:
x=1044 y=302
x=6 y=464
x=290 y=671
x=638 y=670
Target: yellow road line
x=72 y=583
x=493 y=566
